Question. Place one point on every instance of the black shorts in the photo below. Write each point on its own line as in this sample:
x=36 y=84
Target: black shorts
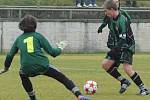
x=120 y=56
x=33 y=73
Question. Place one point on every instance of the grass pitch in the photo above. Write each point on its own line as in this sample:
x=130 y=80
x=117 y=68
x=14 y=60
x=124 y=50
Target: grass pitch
x=79 y=68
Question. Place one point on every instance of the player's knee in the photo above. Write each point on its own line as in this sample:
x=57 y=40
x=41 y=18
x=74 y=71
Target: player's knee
x=105 y=65
x=126 y=69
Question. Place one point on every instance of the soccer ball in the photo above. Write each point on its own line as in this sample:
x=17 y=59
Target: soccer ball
x=90 y=87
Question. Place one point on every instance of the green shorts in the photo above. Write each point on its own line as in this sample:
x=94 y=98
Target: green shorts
x=120 y=56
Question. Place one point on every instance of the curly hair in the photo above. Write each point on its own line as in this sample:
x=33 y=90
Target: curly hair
x=28 y=23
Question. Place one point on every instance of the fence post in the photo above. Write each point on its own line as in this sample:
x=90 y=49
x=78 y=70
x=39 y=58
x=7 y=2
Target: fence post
x=1 y=38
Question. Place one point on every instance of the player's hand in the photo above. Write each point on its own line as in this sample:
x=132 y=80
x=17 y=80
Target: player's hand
x=62 y=44
x=99 y=30
x=3 y=70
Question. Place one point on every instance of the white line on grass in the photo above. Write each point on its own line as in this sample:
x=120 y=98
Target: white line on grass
x=78 y=69
x=89 y=69
x=143 y=72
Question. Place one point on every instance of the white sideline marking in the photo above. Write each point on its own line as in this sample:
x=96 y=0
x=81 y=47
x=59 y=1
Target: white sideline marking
x=83 y=69
x=143 y=72
x=78 y=69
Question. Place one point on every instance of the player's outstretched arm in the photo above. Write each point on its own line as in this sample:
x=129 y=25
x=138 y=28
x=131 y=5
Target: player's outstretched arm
x=9 y=58
x=104 y=23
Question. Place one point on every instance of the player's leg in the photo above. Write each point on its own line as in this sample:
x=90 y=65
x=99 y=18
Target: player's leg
x=110 y=64
x=136 y=78
x=114 y=73
x=127 y=66
x=54 y=73
x=27 y=86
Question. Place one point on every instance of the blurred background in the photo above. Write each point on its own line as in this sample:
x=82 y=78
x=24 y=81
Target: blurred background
x=138 y=3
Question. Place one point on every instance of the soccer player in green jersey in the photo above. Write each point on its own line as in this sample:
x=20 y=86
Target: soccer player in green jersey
x=107 y=19
x=122 y=47
x=33 y=61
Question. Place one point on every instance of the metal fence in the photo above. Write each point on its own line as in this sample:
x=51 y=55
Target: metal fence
x=47 y=13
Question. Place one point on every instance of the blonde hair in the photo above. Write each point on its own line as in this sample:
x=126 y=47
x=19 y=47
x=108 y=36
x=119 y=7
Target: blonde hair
x=110 y=4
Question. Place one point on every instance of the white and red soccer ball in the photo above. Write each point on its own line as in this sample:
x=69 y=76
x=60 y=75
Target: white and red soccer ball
x=90 y=87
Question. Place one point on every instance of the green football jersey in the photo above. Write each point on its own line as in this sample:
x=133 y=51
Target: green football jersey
x=121 y=35
x=107 y=19
x=32 y=59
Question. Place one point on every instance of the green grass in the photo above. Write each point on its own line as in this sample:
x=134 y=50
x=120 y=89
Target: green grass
x=79 y=68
